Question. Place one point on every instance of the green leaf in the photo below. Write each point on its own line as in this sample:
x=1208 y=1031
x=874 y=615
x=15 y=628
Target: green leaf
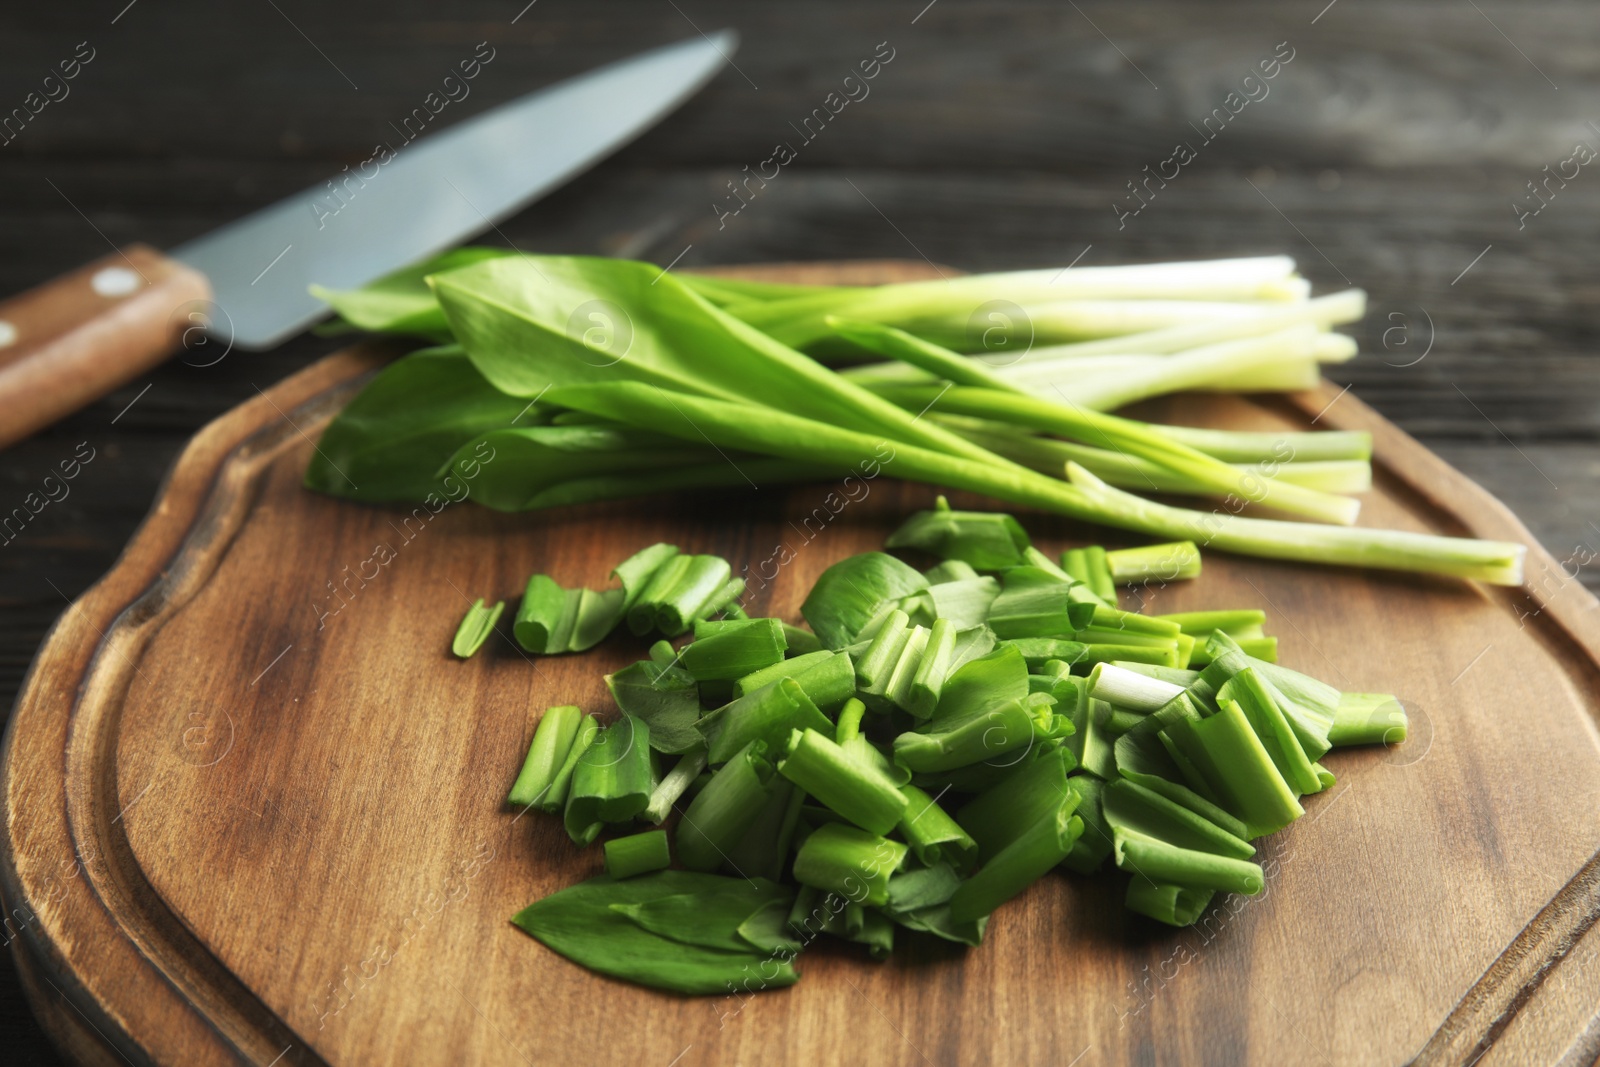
x=665 y=698
x=595 y=322
x=539 y=466
x=988 y=541
x=768 y=930
x=402 y=302
x=412 y=424
x=583 y=924
x=849 y=593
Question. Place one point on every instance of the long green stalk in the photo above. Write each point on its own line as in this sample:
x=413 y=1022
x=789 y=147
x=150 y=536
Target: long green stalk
x=801 y=320
x=1137 y=438
x=1494 y=562
x=1050 y=455
x=1324 y=312
x=1277 y=362
x=1086 y=497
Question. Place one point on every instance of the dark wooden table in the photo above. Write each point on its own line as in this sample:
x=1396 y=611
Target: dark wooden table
x=1393 y=151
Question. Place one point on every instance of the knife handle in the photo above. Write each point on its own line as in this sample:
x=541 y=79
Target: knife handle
x=72 y=340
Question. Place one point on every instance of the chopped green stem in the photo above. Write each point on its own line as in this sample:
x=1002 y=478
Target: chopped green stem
x=1157 y=861
x=1135 y=811
x=825 y=677
x=988 y=736
x=722 y=811
x=1162 y=655
x=641 y=613
x=850 y=787
x=849 y=861
x=1230 y=760
x=1039 y=651
x=673 y=785
x=923 y=696
x=1100 y=574
x=985 y=540
x=475 y=628
x=848 y=727
x=875 y=665
x=1033 y=603
x=723 y=600
x=1262 y=648
x=1266 y=718
x=1174 y=905
x=613 y=780
x=1368 y=719
x=1164 y=563
x=1033 y=792
x=1128 y=689
x=1176 y=675
x=734 y=650
x=552 y=740
x=637 y=854
x=1119 y=720
x=635 y=572
x=1235 y=622
x=895 y=687
x=701 y=582
x=933 y=835
x=1024 y=861
x=768 y=714
x=551 y=619
x=555 y=797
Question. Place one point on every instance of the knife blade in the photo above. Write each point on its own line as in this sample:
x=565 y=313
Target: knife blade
x=446 y=187
x=78 y=337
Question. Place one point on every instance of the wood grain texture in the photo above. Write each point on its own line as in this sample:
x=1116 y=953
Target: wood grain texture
x=285 y=802
x=1394 y=143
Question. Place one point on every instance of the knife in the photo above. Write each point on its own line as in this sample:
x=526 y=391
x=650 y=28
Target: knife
x=74 y=339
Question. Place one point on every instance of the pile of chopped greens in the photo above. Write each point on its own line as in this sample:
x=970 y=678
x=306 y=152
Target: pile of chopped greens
x=932 y=745
x=559 y=380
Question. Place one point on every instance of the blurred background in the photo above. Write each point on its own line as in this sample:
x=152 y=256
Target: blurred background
x=1432 y=153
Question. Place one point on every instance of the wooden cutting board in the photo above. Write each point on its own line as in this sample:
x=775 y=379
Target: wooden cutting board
x=253 y=807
